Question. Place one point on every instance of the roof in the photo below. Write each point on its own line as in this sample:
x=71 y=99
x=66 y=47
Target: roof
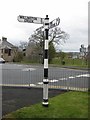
x=6 y=44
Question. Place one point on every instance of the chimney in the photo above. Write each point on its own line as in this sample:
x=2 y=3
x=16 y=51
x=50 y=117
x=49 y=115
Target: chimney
x=4 y=39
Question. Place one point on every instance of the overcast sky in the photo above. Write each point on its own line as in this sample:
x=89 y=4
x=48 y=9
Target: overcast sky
x=73 y=16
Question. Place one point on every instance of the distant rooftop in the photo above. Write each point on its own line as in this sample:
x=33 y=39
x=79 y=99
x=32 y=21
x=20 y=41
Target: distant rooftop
x=4 y=43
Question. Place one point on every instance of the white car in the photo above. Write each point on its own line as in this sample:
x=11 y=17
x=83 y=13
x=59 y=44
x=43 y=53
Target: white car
x=2 y=60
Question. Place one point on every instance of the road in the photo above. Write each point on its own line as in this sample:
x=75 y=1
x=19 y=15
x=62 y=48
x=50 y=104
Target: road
x=32 y=75
x=25 y=75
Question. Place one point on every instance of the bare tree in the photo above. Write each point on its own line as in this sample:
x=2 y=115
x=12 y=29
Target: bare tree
x=23 y=45
x=56 y=35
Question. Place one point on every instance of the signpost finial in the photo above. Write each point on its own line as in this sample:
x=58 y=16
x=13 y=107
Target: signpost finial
x=46 y=16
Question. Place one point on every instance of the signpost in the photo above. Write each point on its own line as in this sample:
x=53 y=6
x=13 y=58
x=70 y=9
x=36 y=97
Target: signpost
x=82 y=50
x=83 y=53
x=30 y=19
x=46 y=26
x=52 y=24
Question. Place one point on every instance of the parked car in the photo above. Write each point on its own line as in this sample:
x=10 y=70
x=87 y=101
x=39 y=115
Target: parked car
x=2 y=60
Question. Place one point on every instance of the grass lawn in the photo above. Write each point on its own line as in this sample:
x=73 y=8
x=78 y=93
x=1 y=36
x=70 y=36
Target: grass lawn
x=67 y=105
x=70 y=62
x=57 y=62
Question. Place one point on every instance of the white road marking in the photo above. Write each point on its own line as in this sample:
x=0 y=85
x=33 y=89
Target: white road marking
x=62 y=78
x=40 y=83
x=19 y=85
x=53 y=80
x=28 y=69
x=32 y=85
x=50 y=86
x=71 y=77
x=83 y=75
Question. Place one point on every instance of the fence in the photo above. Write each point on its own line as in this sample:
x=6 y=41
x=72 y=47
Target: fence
x=32 y=76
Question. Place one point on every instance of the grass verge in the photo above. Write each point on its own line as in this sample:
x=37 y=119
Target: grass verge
x=68 y=105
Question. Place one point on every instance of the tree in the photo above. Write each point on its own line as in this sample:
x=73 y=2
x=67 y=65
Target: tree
x=52 y=52
x=56 y=37
x=18 y=57
x=23 y=45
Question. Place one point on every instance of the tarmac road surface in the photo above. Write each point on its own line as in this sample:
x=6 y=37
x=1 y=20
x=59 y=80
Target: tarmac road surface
x=25 y=75
x=15 y=98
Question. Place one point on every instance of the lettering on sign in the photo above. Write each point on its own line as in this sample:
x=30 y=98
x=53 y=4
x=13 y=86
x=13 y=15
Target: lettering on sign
x=30 y=19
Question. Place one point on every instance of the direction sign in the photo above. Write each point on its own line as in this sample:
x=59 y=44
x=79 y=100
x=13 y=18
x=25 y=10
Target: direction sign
x=40 y=29
x=52 y=24
x=30 y=19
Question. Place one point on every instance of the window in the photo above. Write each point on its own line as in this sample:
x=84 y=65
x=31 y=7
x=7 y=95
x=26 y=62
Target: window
x=9 y=52
x=2 y=50
x=6 y=51
x=24 y=54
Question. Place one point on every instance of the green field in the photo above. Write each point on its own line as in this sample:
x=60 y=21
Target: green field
x=79 y=63
x=67 y=105
x=70 y=62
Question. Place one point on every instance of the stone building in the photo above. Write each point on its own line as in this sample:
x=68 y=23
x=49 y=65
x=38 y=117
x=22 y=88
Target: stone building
x=7 y=50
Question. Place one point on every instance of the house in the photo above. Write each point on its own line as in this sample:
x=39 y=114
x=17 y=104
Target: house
x=73 y=55
x=7 y=50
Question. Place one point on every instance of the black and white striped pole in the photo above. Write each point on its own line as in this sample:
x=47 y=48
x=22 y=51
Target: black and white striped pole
x=47 y=26
x=45 y=79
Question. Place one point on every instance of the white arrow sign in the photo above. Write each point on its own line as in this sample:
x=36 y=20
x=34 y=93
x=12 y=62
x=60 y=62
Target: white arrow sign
x=52 y=24
x=30 y=19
